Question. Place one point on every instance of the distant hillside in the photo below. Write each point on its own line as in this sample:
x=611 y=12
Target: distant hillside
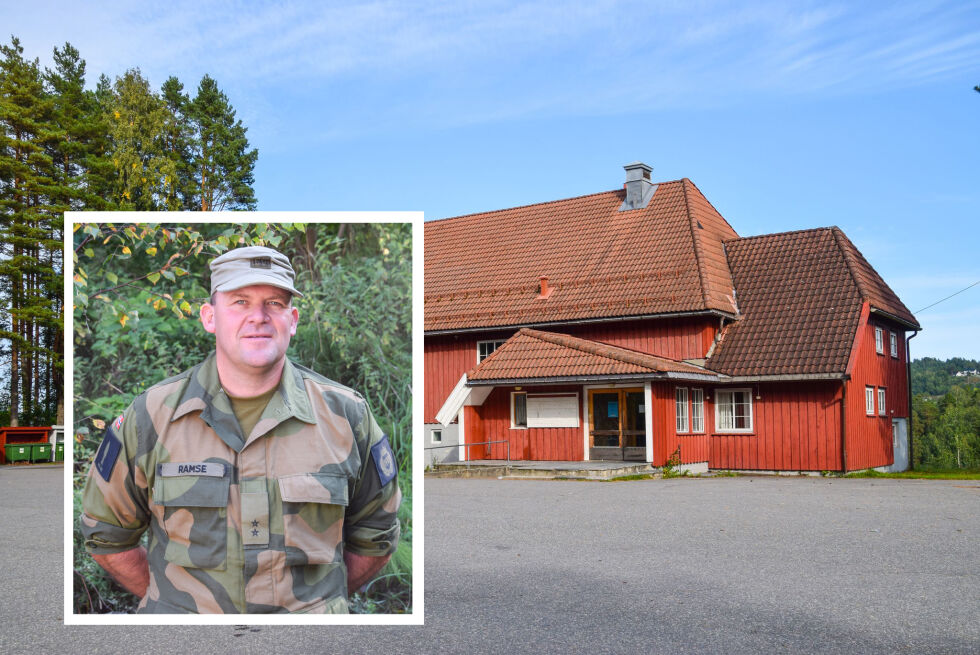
x=936 y=377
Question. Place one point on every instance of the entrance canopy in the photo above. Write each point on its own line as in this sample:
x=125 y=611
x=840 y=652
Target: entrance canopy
x=534 y=356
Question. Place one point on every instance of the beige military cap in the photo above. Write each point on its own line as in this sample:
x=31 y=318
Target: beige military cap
x=243 y=267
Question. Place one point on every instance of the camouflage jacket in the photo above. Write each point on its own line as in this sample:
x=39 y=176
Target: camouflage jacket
x=259 y=527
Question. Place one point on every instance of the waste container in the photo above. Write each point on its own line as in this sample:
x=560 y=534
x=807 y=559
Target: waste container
x=40 y=452
x=59 y=451
x=18 y=452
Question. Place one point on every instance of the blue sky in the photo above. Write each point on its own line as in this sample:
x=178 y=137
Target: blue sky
x=786 y=115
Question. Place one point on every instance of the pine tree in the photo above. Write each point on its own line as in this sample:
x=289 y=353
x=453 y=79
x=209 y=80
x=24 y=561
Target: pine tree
x=26 y=187
x=178 y=136
x=223 y=164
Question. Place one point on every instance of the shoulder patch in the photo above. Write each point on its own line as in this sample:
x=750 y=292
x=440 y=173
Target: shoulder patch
x=117 y=424
x=105 y=457
x=384 y=460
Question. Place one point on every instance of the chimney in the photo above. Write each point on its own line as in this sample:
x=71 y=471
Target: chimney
x=639 y=188
x=543 y=289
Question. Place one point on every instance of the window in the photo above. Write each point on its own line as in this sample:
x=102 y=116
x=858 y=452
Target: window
x=879 y=341
x=485 y=348
x=697 y=410
x=544 y=410
x=881 y=401
x=518 y=410
x=681 y=406
x=733 y=410
x=893 y=339
x=869 y=401
x=437 y=436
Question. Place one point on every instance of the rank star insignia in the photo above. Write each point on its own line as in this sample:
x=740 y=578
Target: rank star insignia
x=255 y=533
x=255 y=523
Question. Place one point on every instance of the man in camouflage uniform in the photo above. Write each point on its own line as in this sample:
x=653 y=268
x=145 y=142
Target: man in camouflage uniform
x=266 y=487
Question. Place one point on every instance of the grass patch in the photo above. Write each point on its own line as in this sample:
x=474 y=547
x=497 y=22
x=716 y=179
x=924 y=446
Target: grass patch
x=954 y=474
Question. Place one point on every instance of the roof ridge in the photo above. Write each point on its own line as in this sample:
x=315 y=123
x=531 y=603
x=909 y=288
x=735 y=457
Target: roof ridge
x=710 y=204
x=533 y=204
x=696 y=242
x=779 y=234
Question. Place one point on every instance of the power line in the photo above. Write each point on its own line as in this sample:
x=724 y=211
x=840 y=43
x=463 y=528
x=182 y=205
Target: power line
x=947 y=297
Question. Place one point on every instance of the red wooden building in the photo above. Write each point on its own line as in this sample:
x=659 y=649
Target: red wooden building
x=635 y=324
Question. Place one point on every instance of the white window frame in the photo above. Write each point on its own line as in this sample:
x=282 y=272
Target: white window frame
x=879 y=340
x=681 y=413
x=513 y=423
x=719 y=401
x=496 y=344
x=881 y=401
x=436 y=436
x=893 y=340
x=697 y=417
x=869 y=401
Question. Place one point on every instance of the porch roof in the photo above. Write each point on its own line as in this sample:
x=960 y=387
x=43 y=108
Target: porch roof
x=541 y=356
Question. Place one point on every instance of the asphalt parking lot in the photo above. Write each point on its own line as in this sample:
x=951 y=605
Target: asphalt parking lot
x=733 y=565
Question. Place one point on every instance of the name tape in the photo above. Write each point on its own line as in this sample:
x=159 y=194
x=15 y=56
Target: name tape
x=174 y=469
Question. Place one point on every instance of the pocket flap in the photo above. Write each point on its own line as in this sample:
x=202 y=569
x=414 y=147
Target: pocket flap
x=314 y=488
x=190 y=491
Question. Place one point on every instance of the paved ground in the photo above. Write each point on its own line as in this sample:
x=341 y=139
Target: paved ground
x=733 y=565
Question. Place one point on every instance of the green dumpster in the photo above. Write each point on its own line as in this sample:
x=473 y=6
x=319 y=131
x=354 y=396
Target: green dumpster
x=40 y=452
x=18 y=452
x=59 y=451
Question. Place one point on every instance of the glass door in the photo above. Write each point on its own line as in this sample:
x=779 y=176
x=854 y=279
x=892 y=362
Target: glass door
x=617 y=424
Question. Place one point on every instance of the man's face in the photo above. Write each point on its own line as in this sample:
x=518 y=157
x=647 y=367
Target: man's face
x=251 y=326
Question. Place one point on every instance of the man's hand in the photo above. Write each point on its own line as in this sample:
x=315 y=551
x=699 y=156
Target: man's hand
x=129 y=568
x=360 y=569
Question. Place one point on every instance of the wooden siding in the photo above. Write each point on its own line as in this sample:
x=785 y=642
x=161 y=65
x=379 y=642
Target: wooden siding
x=796 y=427
x=869 y=438
x=445 y=360
x=675 y=338
x=491 y=422
x=694 y=447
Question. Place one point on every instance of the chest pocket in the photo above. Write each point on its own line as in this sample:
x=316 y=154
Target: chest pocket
x=195 y=518
x=313 y=508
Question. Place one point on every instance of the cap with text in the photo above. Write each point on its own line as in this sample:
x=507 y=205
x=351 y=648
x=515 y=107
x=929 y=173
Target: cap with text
x=243 y=267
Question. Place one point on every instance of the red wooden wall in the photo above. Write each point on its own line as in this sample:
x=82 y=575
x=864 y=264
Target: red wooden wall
x=491 y=422
x=869 y=438
x=676 y=338
x=445 y=360
x=796 y=427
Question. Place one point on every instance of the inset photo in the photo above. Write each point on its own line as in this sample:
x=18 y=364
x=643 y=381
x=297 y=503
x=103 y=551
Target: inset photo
x=242 y=416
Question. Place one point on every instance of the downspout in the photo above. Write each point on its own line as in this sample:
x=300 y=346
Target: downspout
x=843 y=425
x=908 y=373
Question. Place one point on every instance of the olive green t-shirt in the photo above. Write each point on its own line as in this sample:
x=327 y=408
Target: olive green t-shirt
x=248 y=411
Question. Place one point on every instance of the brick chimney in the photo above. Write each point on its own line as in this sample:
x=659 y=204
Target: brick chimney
x=639 y=188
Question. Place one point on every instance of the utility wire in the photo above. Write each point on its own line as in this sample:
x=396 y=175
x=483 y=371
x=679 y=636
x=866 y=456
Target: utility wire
x=947 y=297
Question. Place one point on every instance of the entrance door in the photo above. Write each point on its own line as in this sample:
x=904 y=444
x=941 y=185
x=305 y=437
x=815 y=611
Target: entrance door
x=617 y=424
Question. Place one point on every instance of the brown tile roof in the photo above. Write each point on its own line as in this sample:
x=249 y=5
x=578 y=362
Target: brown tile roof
x=800 y=296
x=482 y=270
x=536 y=355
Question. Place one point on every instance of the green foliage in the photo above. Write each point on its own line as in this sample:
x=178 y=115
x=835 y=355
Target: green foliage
x=935 y=377
x=918 y=475
x=672 y=465
x=946 y=432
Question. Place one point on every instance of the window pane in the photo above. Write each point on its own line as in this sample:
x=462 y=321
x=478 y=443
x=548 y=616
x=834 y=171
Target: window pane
x=881 y=401
x=520 y=410
x=697 y=410
x=681 y=409
x=869 y=400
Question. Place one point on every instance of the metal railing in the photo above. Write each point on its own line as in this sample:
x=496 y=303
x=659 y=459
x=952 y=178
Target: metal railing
x=467 y=445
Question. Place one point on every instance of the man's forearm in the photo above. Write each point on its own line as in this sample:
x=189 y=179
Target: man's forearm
x=360 y=569
x=129 y=568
